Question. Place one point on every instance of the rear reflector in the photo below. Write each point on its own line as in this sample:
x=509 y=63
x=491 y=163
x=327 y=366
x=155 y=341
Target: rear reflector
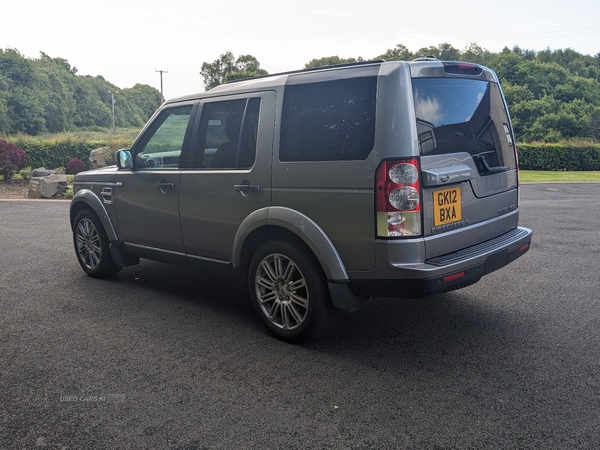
x=455 y=276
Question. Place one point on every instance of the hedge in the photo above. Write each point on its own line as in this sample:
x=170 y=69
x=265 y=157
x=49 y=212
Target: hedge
x=561 y=156
x=56 y=151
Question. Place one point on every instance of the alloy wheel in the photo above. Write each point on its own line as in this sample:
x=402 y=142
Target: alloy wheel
x=282 y=292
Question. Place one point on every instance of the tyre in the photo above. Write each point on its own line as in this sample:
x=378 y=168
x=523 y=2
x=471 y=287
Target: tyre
x=289 y=292
x=91 y=246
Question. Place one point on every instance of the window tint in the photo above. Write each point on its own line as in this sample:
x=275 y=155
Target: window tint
x=161 y=145
x=328 y=121
x=460 y=115
x=227 y=136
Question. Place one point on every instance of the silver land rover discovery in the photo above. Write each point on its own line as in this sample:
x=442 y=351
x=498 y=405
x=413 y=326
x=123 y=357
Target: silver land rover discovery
x=324 y=187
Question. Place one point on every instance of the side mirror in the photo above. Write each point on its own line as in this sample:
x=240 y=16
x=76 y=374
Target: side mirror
x=124 y=159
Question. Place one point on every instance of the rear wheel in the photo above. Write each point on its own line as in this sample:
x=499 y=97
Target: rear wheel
x=289 y=292
x=91 y=246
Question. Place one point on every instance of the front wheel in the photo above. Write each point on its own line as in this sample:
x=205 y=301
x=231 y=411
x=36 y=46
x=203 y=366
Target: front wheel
x=91 y=246
x=289 y=292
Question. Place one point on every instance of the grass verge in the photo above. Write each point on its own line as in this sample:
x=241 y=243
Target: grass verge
x=542 y=176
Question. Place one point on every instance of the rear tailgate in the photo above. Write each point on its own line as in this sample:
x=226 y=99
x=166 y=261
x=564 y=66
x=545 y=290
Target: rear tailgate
x=468 y=161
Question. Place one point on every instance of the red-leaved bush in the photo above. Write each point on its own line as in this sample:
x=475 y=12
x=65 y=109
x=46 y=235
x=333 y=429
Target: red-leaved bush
x=11 y=158
x=75 y=165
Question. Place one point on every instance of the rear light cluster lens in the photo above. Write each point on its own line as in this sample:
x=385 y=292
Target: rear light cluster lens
x=398 y=199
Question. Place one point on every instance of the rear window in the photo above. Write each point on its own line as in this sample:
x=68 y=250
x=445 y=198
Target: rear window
x=462 y=115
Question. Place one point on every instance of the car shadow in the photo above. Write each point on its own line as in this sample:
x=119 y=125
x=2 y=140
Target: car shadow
x=395 y=330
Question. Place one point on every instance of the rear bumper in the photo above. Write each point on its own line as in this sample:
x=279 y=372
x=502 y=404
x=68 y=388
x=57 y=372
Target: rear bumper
x=446 y=272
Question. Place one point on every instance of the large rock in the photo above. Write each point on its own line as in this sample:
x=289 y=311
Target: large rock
x=101 y=157
x=46 y=183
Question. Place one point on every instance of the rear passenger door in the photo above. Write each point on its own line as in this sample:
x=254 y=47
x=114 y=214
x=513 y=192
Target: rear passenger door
x=228 y=172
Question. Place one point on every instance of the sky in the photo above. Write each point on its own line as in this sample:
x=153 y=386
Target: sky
x=128 y=41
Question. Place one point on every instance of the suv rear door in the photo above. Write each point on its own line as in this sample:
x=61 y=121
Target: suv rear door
x=228 y=172
x=468 y=157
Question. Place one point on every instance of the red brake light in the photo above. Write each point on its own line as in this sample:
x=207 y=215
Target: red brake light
x=462 y=68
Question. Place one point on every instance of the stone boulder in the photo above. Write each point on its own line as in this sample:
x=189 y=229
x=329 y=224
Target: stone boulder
x=101 y=157
x=46 y=183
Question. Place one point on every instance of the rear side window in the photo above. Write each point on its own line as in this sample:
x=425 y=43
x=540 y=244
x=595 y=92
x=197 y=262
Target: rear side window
x=329 y=120
x=227 y=136
x=462 y=115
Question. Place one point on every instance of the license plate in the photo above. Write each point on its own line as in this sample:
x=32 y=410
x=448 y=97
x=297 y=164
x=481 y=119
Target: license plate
x=446 y=206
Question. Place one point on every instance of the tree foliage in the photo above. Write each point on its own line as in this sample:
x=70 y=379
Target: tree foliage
x=551 y=94
x=226 y=68
x=330 y=61
x=47 y=95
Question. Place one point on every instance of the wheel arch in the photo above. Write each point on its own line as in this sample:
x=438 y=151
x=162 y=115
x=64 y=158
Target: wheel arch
x=86 y=199
x=278 y=222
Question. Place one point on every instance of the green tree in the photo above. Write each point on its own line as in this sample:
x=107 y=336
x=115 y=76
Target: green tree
x=330 y=61
x=91 y=110
x=56 y=81
x=399 y=53
x=24 y=104
x=226 y=68
x=475 y=54
x=47 y=94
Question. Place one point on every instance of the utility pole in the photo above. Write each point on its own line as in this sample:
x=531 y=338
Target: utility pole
x=112 y=102
x=161 y=82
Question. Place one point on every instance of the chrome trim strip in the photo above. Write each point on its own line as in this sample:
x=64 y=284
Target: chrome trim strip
x=212 y=260
x=97 y=183
x=154 y=249
x=174 y=253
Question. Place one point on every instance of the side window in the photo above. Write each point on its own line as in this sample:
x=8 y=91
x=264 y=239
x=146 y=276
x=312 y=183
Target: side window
x=328 y=121
x=227 y=134
x=162 y=143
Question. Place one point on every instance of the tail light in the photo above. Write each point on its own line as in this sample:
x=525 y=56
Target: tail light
x=398 y=198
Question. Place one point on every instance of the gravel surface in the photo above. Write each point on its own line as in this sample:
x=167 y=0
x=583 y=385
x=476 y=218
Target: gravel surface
x=14 y=189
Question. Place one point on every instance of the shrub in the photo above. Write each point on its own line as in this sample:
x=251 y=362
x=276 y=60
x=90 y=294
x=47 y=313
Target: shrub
x=75 y=165
x=559 y=156
x=26 y=173
x=11 y=158
x=57 y=150
x=68 y=193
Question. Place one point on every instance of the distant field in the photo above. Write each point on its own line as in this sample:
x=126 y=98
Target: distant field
x=540 y=176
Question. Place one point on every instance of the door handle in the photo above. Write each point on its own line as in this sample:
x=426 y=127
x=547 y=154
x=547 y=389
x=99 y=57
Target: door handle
x=164 y=185
x=246 y=188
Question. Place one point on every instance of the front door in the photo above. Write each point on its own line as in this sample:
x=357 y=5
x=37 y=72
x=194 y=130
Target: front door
x=146 y=201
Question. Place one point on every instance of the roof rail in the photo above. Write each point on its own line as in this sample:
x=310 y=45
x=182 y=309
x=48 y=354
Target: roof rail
x=312 y=69
x=426 y=58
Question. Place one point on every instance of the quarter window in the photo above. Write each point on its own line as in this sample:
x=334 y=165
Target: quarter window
x=329 y=120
